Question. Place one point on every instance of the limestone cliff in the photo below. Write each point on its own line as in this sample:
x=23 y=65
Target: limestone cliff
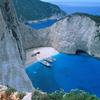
x=34 y=38
x=73 y=33
x=12 y=55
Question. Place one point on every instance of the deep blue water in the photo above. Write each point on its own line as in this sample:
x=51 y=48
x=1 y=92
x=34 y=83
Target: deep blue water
x=68 y=72
x=42 y=24
x=74 y=9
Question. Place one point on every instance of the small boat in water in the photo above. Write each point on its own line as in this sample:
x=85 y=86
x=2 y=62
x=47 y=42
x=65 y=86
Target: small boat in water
x=50 y=59
x=47 y=64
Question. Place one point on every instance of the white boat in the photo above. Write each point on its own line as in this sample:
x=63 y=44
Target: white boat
x=47 y=64
x=50 y=59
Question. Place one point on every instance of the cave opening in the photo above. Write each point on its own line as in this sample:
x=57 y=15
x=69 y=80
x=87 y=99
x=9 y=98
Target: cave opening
x=79 y=51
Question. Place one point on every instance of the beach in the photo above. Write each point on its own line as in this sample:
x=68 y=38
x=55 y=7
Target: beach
x=44 y=52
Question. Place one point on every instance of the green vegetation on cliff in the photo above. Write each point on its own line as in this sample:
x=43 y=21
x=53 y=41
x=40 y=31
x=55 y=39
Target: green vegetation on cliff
x=96 y=18
x=36 y=9
x=60 y=95
x=57 y=95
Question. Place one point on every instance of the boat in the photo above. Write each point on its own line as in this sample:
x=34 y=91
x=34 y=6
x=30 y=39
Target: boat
x=35 y=54
x=47 y=64
x=50 y=59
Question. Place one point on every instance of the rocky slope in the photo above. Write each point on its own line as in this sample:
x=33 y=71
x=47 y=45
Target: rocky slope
x=69 y=35
x=36 y=9
x=12 y=54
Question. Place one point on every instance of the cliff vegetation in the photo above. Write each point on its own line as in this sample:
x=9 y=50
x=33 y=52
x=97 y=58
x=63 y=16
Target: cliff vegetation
x=36 y=9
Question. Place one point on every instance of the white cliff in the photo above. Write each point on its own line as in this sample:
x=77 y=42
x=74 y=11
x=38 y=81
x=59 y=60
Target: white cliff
x=73 y=33
x=12 y=55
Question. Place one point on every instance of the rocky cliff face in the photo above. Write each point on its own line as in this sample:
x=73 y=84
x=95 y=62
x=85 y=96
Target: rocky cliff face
x=34 y=38
x=69 y=35
x=75 y=33
x=12 y=55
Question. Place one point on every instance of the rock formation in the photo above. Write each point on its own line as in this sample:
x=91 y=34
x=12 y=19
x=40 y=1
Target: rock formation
x=69 y=35
x=12 y=54
x=75 y=33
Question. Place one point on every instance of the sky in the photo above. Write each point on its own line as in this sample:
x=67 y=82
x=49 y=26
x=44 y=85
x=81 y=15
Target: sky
x=75 y=2
x=72 y=1
x=85 y=6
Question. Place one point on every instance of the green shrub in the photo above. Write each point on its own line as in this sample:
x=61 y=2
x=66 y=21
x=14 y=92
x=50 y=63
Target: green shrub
x=60 y=95
x=37 y=95
x=10 y=90
x=79 y=95
x=57 y=95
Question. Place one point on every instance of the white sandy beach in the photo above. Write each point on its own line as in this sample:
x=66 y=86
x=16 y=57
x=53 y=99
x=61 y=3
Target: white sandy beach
x=45 y=52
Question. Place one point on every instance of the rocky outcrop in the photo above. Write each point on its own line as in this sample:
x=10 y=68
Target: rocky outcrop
x=34 y=38
x=28 y=96
x=12 y=54
x=69 y=35
x=7 y=93
x=75 y=33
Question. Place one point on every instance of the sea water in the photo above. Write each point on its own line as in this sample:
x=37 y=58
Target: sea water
x=42 y=24
x=68 y=72
x=74 y=9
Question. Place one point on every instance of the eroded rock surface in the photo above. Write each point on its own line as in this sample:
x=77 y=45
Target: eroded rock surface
x=76 y=33
x=73 y=33
x=12 y=55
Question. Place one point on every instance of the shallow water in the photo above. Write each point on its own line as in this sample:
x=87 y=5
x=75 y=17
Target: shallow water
x=68 y=72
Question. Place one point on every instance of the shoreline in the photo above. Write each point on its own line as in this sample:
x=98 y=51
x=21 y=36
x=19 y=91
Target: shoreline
x=44 y=52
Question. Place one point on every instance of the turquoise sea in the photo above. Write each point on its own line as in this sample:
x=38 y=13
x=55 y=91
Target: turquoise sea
x=68 y=72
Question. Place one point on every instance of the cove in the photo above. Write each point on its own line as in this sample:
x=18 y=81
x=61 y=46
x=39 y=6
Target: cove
x=42 y=24
x=68 y=72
